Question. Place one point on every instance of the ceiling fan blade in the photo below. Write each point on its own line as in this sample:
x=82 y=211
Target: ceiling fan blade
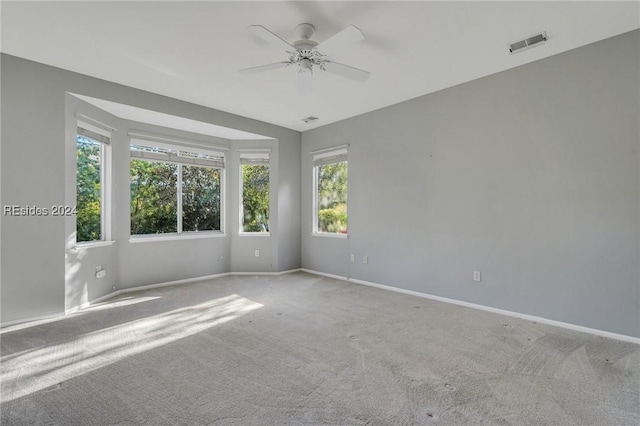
x=270 y=37
x=346 y=71
x=305 y=82
x=267 y=67
x=349 y=35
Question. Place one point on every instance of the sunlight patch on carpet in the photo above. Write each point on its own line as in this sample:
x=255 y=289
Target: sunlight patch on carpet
x=48 y=366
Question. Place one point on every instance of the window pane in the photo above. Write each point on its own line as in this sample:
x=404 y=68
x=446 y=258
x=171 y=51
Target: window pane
x=200 y=199
x=154 y=200
x=255 y=198
x=88 y=189
x=332 y=197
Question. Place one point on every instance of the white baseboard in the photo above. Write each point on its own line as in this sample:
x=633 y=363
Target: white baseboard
x=29 y=322
x=92 y=302
x=265 y=273
x=288 y=271
x=527 y=317
x=169 y=283
x=335 y=277
x=178 y=282
x=141 y=288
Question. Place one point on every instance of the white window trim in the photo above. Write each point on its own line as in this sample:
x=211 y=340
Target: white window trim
x=322 y=157
x=105 y=131
x=329 y=234
x=314 y=197
x=189 y=146
x=262 y=156
x=94 y=125
x=189 y=235
x=172 y=142
x=254 y=234
x=92 y=244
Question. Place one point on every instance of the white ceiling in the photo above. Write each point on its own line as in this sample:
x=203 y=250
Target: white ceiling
x=192 y=50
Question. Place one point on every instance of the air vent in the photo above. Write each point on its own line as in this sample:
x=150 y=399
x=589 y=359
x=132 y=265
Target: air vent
x=310 y=119
x=529 y=42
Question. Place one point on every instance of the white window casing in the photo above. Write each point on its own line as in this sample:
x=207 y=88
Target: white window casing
x=101 y=133
x=93 y=129
x=330 y=155
x=320 y=158
x=145 y=150
x=252 y=157
x=193 y=153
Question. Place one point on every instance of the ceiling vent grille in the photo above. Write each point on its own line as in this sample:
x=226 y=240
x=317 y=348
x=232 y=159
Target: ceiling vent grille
x=310 y=119
x=527 y=43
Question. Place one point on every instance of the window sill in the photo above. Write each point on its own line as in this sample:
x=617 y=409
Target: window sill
x=329 y=234
x=93 y=244
x=254 y=234
x=135 y=239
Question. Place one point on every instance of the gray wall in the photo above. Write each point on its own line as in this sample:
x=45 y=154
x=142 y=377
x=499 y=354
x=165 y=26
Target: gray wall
x=35 y=173
x=530 y=176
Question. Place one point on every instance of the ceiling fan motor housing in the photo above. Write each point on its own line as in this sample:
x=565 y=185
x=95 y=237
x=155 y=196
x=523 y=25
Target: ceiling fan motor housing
x=304 y=46
x=305 y=55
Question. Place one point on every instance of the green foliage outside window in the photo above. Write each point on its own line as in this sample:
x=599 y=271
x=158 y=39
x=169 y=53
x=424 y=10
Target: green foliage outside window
x=332 y=197
x=255 y=198
x=154 y=198
x=154 y=201
x=88 y=190
x=200 y=199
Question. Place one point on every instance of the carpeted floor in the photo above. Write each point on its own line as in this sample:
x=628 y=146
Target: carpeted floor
x=302 y=349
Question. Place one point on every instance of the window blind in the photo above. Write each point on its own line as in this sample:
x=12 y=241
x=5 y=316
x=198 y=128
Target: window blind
x=94 y=133
x=175 y=154
x=254 y=156
x=330 y=155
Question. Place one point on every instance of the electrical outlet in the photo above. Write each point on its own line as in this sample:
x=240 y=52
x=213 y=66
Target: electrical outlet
x=257 y=253
x=353 y=257
x=476 y=276
x=100 y=273
x=365 y=259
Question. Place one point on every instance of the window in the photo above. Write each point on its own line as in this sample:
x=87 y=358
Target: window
x=91 y=143
x=330 y=191
x=254 y=191
x=175 y=189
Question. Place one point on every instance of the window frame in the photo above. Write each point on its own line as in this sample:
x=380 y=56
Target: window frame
x=320 y=158
x=102 y=134
x=249 y=157
x=180 y=147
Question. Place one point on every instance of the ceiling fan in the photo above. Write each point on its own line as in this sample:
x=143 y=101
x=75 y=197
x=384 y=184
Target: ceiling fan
x=308 y=54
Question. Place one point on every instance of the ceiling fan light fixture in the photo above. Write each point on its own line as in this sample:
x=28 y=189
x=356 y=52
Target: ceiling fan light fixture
x=305 y=65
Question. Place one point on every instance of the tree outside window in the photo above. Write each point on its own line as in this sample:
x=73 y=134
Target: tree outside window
x=89 y=164
x=175 y=190
x=331 y=197
x=255 y=198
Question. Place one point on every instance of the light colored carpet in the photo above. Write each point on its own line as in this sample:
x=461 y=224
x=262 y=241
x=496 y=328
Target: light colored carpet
x=303 y=349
